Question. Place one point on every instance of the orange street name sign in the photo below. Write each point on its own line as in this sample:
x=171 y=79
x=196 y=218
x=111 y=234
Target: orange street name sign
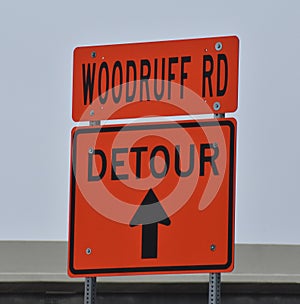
x=192 y=76
x=152 y=199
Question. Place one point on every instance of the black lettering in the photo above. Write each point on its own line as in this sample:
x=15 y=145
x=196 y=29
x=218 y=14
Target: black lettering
x=88 y=82
x=91 y=177
x=117 y=65
x=207 y=74
x=158 y=96
x=117 y=163
x=103 y=99
x=177 y=162
x=130 y=66
x=184 y=75
x=171 y=76
x=209 y=159
x=152 y=161
x=138 y=151
x=144 y=77
x=221 y=92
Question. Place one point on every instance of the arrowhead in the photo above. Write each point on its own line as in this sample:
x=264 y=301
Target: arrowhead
x=150 y=211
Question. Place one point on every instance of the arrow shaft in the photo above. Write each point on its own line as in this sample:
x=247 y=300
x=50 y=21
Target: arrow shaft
x=149 y=241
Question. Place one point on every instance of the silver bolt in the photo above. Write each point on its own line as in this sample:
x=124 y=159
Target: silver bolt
x=88 y=251
x=217 y=106
x=93 y=54
x=218 y=46
x=91 y=150
x=92 y=113
x=215 y=145
x=213 y=247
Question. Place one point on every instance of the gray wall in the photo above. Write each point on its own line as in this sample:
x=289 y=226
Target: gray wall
x=35 y=272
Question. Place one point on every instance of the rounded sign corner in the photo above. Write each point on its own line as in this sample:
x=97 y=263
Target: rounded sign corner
x=73 y=131
x=72 y=273
x=76 y=49
x=236 y=37
x=232 y=120
x=229 y=267
x=75 y=117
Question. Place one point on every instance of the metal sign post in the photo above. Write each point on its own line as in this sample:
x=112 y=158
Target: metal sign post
x=214 y=287
x=90 y=291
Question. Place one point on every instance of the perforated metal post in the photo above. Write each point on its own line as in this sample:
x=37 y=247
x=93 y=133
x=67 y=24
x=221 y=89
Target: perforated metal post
x=214 y=289
x=221 y=115
x=90 y=291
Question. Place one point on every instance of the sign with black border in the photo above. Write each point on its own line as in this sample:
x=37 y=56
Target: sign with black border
x=110 y=229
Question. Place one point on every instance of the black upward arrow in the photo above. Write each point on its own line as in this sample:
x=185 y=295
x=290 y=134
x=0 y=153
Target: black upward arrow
x=149 y=214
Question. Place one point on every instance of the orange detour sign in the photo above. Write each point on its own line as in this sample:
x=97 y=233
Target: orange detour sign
x=192 y=76
x=152 y=198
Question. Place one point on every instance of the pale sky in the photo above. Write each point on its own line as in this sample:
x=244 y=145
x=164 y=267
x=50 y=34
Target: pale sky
x=37 y=42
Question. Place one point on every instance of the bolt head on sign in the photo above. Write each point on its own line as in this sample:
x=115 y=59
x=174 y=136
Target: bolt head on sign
x=152 y=198
x=109 y=81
